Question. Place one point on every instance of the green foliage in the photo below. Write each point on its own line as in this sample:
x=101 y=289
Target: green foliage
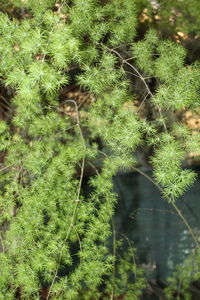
x=127 y=280
x=179 y=283
x=5 y=136
x=145 y=50
x=183 y=16
x=52 y=236
x=168 y=172
x=177 y=88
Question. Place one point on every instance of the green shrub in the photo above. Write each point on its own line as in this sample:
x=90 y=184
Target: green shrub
x=52 y=236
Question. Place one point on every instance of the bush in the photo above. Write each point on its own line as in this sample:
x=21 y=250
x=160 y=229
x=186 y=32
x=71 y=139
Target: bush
x=52 y=236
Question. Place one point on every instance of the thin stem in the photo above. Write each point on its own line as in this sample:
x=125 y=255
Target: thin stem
x=131 y=247
x=186 y=223
x=130 y=58
x=124 y=61
x=2 y=244
x=132 y=74
x=147 y=94
x=77 y=200
x=122 y=45
x=79 y=240
x=148 y=90
x=103 y=153
x=83 y=101
x=114 y=255
x=138 y=74
x=6 y=106
x=6 y=101
x=93 y=167
x=137 y=211
x=7 y=167
x=171 y=201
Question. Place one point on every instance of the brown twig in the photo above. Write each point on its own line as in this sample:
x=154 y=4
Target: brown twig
x=124 y=61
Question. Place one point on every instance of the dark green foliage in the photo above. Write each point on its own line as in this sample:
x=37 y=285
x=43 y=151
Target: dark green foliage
x=51 y=235
x=179 y=283
x=177 y=88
